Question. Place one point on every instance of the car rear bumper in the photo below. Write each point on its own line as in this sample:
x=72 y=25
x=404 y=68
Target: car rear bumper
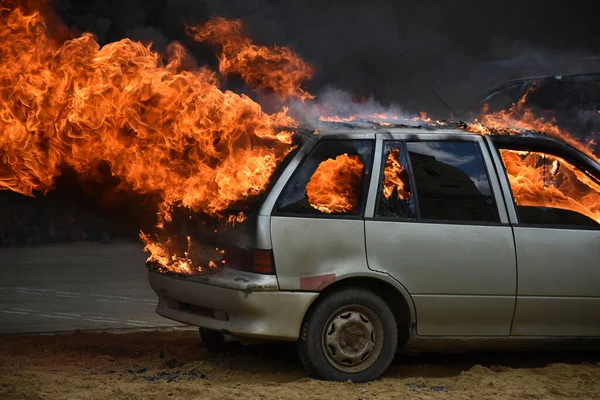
x=232 y=305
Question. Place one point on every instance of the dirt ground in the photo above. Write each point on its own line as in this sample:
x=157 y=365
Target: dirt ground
x=174 y=365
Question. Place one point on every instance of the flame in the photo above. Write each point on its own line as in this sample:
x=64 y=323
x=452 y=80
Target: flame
x=276 y=68
x=378 y=118
x=375 y=117
x=239 y=218
x=395 y=177
x=162 y=125
x=422 y=117
x=336 y=118
x=168 y=260
x=521 y=117
x=335 y=185
x=547 y=181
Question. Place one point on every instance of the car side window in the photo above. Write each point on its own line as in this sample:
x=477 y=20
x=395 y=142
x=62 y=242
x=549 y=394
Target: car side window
x=332 y=180
x=548 y=190
x=395 y=199
x=451 y=181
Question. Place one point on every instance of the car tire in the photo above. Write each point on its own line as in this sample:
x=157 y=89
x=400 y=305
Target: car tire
x=214 y=341
x=349 y=334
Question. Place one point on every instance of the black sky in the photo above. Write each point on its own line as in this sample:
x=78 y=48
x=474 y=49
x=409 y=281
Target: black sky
x=379 y=48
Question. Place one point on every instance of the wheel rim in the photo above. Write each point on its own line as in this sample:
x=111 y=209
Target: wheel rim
x=352 y=338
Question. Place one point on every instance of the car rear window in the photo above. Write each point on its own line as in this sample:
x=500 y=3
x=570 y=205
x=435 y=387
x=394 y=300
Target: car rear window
x=330 y=181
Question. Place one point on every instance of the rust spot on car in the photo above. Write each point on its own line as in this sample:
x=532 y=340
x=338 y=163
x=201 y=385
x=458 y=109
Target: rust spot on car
x=316 y=282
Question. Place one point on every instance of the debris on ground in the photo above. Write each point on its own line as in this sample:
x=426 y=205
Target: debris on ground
x=135 y=366
x=173 y=376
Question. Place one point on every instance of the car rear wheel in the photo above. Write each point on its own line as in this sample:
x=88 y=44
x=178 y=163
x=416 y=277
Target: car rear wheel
x=349 y=334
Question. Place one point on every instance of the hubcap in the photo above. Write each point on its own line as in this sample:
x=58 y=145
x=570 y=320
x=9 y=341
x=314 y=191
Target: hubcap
x=352 y=338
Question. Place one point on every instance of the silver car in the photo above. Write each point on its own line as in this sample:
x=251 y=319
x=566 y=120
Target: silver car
x=375 y=241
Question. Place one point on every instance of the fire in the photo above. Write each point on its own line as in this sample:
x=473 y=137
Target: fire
x=276 y=68
x=395 y=177
x=548 y=181
x=422 y=117
x=239 y=218
x=379 y=118
x=375 y=117
x=162 y=125
x=335 y=185
x=166 y=259
x=519 y=116
x=336 y=118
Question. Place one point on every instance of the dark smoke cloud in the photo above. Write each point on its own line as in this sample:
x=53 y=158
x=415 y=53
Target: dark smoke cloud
x=390 y=50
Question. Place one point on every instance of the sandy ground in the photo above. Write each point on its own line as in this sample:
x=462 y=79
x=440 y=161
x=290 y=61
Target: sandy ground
x=174 y=365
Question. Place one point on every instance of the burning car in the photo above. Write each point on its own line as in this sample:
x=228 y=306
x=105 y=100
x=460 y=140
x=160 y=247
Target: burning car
x=377 y=240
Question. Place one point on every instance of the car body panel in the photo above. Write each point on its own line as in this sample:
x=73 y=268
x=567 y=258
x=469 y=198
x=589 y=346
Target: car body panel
x=336 y=247
x=559 y=282
x=262 y=314
x=456 y=315
x=437 y=260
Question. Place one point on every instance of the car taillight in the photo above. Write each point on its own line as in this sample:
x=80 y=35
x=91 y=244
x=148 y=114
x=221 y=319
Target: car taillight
x=259 y=261
x=262 y=261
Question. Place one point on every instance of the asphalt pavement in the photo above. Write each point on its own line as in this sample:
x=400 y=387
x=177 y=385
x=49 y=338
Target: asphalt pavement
x=87 y=286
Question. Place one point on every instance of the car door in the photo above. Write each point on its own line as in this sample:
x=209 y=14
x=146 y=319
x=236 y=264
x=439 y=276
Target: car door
x=435 y=223
x=555 y=208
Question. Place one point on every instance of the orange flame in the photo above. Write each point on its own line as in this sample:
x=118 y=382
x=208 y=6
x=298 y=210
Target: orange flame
x=548 y=181
x=395 y=177
x=167 y=259
x=335 y=185
x=379 y=118
x=239 y=218
x=422 y=117
x=336 y=118
x=519 y=116
x=276 y=68
x=163 y=128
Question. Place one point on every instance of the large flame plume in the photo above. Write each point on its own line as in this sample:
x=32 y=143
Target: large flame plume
x=267 y=67
x=521 y=117
x=165 y=127
x=162 y=125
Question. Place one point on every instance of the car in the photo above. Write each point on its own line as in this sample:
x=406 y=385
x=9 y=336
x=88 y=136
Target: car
x=375 y=241
x=572 y=101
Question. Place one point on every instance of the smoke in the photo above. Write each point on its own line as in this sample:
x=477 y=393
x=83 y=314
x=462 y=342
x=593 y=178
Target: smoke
x=372 y=57
x=336 y=103
x=407 y=54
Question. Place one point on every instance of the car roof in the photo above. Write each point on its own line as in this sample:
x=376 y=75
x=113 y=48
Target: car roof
x=502 y=138
x=345 y=130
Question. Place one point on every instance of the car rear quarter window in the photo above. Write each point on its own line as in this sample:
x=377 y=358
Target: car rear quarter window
x=451 y=181
x=331 y=180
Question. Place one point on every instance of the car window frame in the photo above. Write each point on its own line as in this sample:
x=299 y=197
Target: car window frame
x=364 y=191
x=509 y=197
x=451 y=136
x=379 y=192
